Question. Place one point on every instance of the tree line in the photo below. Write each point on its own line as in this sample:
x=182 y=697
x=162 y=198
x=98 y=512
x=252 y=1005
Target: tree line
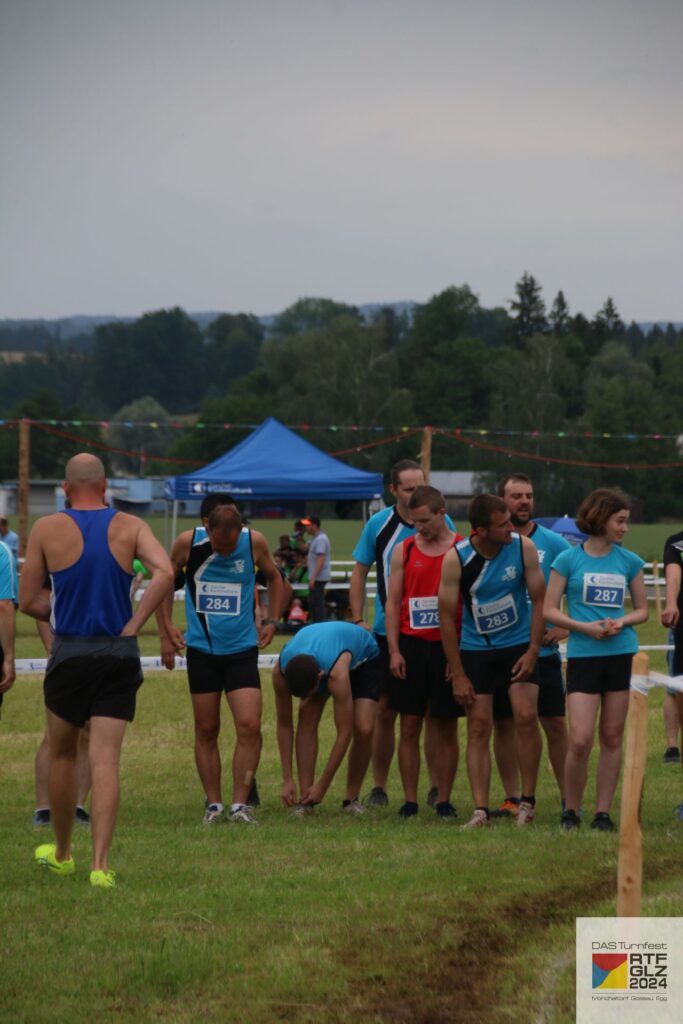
x=531 y=368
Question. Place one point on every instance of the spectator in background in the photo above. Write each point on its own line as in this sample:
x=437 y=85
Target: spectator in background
x=9 y=537
x=284 y=555
x=319 y=573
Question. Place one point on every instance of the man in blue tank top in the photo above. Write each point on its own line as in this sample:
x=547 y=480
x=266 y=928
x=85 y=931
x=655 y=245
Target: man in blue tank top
x=222 y=648
x=497 y=573
x=94 y=668
x=326 y=659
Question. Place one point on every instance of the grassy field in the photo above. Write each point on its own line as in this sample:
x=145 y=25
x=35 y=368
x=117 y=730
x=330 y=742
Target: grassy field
x=325 y=919
x=304 y=921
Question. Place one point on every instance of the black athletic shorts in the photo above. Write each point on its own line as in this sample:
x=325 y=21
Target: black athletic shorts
x=551 y=697
x=367 y=679
x=386 y=676
x=676 y=662
x=425 y=685
x=610 y=673
x=491 y=670
x=93 y=677
x=215 y=673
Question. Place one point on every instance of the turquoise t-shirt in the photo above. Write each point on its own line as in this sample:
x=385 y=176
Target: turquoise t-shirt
x=326 y=642
x=549 y=545
x=597 y=589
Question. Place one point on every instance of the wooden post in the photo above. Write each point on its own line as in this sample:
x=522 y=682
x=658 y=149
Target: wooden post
x=426 y=452
x=24 y=466
x=630 y=870
x=657 y=588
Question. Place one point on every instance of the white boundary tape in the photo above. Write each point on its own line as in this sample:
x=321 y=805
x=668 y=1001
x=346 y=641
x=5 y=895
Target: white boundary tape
x=27 y=666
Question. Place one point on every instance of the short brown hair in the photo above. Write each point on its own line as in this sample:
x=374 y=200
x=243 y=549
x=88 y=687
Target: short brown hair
x=429 y=496
x=482 y=508
x=225 y=518
x=597 y=508
x=301 y=675
x=401 y=467
x=502 y=484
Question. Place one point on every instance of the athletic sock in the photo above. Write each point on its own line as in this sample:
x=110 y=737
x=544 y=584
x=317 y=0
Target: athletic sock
x=529 y=800
x=485 y=809
x=215 y=807
x=235 y=807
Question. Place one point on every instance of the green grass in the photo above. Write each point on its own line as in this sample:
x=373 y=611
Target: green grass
x=325 y=919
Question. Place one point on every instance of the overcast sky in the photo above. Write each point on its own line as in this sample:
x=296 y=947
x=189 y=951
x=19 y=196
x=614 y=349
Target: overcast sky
x=224 y=155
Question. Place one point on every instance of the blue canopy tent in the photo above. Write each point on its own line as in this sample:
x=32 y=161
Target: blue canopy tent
x=275 y=464
x=564 y=525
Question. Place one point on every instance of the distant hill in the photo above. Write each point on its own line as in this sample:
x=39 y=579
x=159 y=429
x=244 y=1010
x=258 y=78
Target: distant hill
x=78 y=331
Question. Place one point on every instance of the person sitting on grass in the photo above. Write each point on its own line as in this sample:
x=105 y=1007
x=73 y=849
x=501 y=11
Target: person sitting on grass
x=326 y=659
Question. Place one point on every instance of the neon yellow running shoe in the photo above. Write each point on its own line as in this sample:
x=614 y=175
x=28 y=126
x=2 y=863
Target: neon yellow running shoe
x=103 y=879
x=45 y=856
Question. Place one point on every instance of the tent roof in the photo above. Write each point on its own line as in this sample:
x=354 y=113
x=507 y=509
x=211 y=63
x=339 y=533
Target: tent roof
x=275 y=464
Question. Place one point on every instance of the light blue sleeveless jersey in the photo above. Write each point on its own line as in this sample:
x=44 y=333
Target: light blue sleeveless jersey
x=597 y=589
x=219 y=597
x=495 y=601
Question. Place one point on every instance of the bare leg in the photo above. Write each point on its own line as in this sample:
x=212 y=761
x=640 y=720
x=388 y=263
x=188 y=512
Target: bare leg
x=430 y=744
x=383 y=743
x=245 y=705
x=583 y=712
x=555 y=729
x=106 y=737
x=83 y=766
x=207 y=726
x=409 y=755
x=310 y=711
x=670 y=720
x=479 y=725
x=364 y=715
x=528 y=742
x=505 y=751
x=612 y=721
x=62 y=781
x=43 y=771
x=446 y=730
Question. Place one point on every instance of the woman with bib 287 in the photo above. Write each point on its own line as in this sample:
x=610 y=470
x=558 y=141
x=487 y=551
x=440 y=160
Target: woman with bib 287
x=597 y=577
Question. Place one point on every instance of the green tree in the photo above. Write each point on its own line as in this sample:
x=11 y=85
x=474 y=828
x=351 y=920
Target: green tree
x=233 y=347
x=559 y=314
x=128 y=429
x=607 y=323
x=311 y=314
x=528 y=308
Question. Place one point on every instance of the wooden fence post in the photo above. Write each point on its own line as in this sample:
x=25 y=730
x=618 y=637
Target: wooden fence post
x=630 y=870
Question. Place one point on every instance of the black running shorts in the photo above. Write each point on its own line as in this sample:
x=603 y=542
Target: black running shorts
x=610 y=673
x=216 y=673
x=425 y=686
x=93 y=677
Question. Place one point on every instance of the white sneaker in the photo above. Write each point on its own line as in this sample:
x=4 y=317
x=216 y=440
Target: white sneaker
x=213 y=816
x=355 y=807
x=243 y=816
x=526 y=814
x=302 y=810
x=478 y=820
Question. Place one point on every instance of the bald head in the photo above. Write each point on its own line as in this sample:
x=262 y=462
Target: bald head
x=85 y=482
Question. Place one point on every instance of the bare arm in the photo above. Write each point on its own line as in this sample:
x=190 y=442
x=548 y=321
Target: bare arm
x=552 y=610
x=641 y=608
x=449 y=592
x=7 y=632
x=339 y=687
x=357 y=585
x=285 y=735
x=671 y=614
x=170 y=637
x=33 y=598
x=274 y=587
x=152 y=555
x=392 y=612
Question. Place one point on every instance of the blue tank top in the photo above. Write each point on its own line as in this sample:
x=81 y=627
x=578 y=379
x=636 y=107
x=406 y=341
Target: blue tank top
x=92 y=596
x=495 y=601
x=548 y=544
x=219 y=596
x=326 y=641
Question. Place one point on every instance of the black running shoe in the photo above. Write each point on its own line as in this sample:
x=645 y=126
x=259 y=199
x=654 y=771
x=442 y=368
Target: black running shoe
x=408 y=810
x=82 y=817
x=602 y=822
x=569 y=820
x=253 y=798
x=376 y=798
x=445 y=810
x=432 y=797
x=41 y=818
x=672 y=755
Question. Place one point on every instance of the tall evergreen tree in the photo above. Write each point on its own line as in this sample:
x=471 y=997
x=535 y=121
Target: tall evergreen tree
x=559 y=314
x=607 y=322
x=528 y=308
